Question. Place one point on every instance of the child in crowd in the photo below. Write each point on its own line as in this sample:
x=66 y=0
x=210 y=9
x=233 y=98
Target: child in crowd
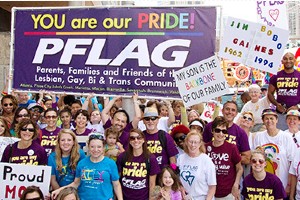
x=95 y=123
x=65 y=117
x=170 y=184
x=112 y=148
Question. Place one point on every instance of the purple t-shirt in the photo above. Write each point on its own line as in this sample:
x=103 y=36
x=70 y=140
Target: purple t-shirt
x=135 y=176
x=225 y=157
x=270 y=187
x=124 y=137
x=35 y=154
x=85 y=133
x=49 y=139
x=287 y=87
x=156 y=148
x=236 y=135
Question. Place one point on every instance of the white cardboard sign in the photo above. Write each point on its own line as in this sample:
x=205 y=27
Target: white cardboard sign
x=200 y=82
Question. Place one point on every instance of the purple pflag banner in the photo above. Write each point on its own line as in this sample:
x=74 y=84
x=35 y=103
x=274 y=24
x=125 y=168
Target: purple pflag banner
x=115 y=51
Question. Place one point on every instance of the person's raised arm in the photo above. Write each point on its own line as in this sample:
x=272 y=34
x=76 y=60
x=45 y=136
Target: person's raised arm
x=137 y=110
x=87 y=105
x=171 y=114
x=105 y=112
x=245 y=157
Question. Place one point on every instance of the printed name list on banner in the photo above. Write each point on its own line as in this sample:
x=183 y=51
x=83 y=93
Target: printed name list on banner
x=115 y=51
x=255 y=45
x=16 y=177
x=201 y=81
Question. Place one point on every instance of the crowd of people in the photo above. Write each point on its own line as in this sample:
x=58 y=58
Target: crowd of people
x=164 y=151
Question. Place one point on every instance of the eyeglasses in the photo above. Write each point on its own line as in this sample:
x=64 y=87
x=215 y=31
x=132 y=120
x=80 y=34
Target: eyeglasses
x=95 y=114
x=217 y=130
x=133 y=138
x=194 y=142
x=254 y=92
x=248 y=118
x=27 y=129
x=180 y=138
x=150 y=118
x=94 y=136
x=8 y=104
x=260 y=161
x=50 y=117
x=24 y=115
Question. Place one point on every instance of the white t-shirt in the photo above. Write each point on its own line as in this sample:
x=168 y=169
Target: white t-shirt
x=297 y=137
x=96 y=128
x=196 y=174
x=280 y=150
x=162 y=124
x=256 y=108
x=295 y=170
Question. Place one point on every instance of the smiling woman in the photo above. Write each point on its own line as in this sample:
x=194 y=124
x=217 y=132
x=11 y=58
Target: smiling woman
x=25 y=151
x=65 y=159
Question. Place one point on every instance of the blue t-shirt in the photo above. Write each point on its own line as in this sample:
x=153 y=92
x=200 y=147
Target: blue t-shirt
x=96 y=179
x=68 y=175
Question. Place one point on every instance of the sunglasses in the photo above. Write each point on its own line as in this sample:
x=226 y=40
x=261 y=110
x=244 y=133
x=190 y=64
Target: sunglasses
x=181 y=138
x=35 y=110
x=133 y=138
x=24 y=115
x=248 y=118
x=50 y=117
x=150 y=118
x=8 y=104
x=28 y=129
x=94 y=136
x=217 y=130
x=260 y=161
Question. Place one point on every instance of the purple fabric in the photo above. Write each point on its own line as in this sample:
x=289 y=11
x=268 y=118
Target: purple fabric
x=225 y=157
x=287 y=87
x=155 y=147
x=236 y=135
x=35 y=154
x=270 y=187
x=85 y=133
x=135 y=177
x=49 y=139
x=124 y=137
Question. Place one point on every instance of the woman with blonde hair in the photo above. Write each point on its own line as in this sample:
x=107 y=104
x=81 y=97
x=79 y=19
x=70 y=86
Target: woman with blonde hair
x=68 y=193
x=64 y=159
x=261 y=184
x=197 y=171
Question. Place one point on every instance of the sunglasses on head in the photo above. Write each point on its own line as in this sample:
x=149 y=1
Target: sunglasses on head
x=248 y=118
x=180 y=138
x=8 y=104
x=150 y=118
x=94 y=136
x=217 y=130
x=50 y=117
x=260 y=161
x=132 y=138
x=35 y=110
x=24 y=115
x=27 y=129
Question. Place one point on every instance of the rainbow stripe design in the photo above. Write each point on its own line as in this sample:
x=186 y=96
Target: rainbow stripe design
x=116 y=33
x=270 y=146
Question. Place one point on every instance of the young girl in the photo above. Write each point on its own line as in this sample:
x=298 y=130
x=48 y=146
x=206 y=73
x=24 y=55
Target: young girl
x=95 y=123
x=170 y=184
x=65 y=116
x=113 y=148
